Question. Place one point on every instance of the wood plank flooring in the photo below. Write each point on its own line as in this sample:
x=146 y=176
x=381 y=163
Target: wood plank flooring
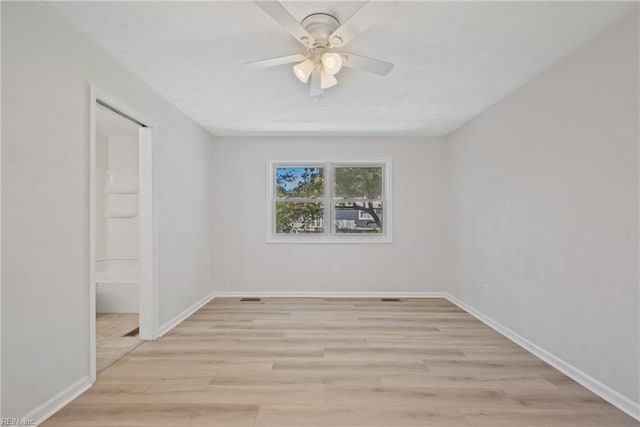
x=110 y=343
x=334 y=362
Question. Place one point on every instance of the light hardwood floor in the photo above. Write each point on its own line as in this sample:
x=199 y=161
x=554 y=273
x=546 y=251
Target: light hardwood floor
x=110 y=343
x=334 y=362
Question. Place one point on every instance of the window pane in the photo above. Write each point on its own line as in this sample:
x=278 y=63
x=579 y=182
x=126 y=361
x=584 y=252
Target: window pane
x=299 y=217
x=299 y=182
x=358 y=182
x=358 y=217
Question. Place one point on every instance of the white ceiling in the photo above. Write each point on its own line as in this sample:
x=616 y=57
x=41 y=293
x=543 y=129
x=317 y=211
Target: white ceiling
x=453 y=60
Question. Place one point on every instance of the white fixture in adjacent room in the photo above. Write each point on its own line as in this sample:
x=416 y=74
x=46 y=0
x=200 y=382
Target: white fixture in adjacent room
x=117 y=225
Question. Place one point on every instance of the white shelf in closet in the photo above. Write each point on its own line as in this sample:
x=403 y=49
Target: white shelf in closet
x=121 y=182
x=121 y=214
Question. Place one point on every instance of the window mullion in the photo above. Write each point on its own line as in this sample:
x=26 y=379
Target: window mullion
x=328 y=194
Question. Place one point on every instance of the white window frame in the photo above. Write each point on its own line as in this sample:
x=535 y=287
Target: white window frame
x=329 y=235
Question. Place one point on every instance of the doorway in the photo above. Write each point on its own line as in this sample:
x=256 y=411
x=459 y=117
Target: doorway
x=117 y=249
x=122 y=291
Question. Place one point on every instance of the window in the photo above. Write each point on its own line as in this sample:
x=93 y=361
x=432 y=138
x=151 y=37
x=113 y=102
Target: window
x=299 y=194
x=329 y=202
x=363 y=216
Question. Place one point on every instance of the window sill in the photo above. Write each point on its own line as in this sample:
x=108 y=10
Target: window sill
x=329 y=240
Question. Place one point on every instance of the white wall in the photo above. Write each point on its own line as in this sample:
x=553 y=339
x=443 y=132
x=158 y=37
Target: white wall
x=245 y=263
x=102 y=165
x=46 y=67
x=544 y=209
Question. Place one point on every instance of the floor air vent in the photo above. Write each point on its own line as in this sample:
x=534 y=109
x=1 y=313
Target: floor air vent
x=250 y=299
x=132 y=333
x=390 y=299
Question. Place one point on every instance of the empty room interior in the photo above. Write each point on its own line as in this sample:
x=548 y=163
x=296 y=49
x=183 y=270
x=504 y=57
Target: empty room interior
x=320 y=213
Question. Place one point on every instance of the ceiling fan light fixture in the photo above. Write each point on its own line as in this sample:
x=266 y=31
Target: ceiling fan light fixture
x=320 y=33
x=331 y=62
x=327 y=80
x=303 y=70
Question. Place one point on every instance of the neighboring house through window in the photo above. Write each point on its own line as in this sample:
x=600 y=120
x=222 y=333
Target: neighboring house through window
x=329 y=202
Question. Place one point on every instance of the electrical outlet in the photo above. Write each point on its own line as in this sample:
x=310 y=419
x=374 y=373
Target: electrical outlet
x=485 y=289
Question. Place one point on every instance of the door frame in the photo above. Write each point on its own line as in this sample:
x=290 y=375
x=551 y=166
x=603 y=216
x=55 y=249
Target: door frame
x=148 y=316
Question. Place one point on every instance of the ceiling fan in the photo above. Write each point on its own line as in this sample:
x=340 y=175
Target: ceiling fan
x=321 y=34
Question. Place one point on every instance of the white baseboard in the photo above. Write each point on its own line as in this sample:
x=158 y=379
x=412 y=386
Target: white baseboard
x=299 y=294
x=607 y=393
x=57 y=402
x=186 y=313
x=53 y=405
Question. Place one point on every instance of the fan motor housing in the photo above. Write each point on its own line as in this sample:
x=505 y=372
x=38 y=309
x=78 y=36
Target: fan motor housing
x=320 y=26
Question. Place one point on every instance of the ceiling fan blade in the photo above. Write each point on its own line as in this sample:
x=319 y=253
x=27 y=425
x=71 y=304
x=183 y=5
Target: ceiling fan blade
x=266 y=63
x=316 y=87
x=364 y=63
x=277 y=11
x=370 y=13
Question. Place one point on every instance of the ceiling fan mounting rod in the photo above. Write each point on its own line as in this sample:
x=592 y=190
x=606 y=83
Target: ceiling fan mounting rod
x=320 y=26
x=317 y=51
